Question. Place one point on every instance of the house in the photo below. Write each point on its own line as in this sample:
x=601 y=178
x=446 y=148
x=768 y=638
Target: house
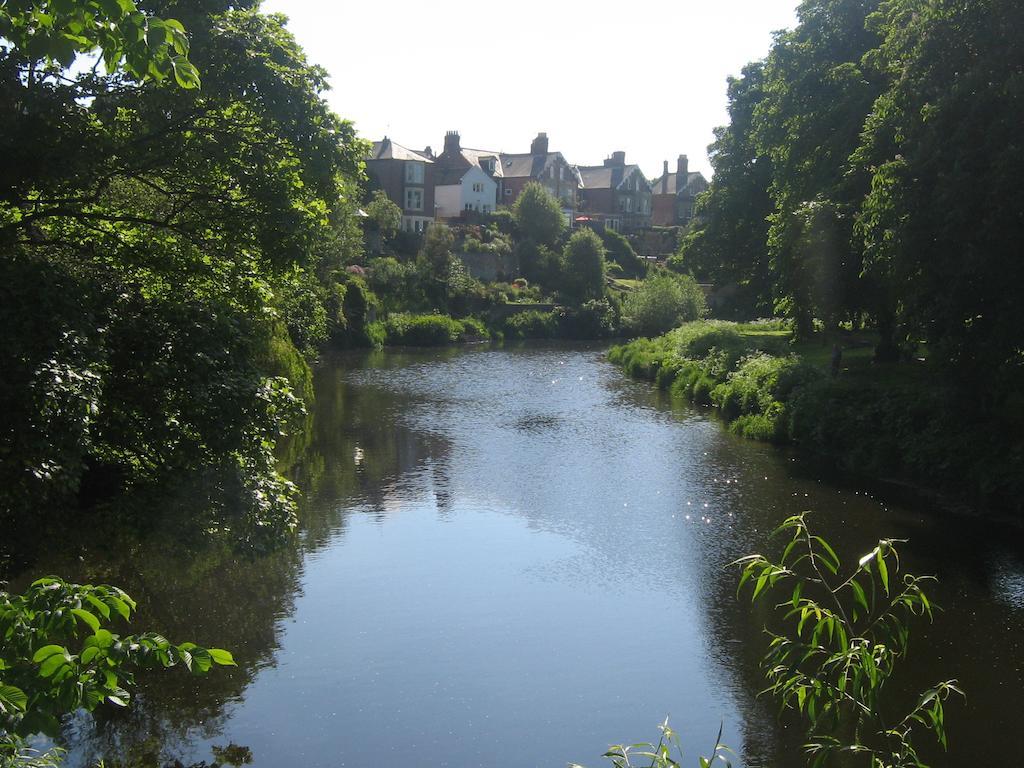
x=465 y=180
x=549 y=169
x=407 y=178
x=675 y=193
x=615 y=194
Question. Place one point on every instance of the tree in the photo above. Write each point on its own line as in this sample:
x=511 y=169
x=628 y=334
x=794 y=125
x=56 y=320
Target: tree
x=662 y=302
x=539 y=215
x=151 y=238
x=384 y=215
x=728 y=245
x=621 y=252
x=942 y=221
x=817 y=95
x=583 y=267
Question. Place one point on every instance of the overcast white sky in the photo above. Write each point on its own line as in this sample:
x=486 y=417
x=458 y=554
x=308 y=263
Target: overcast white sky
x=643 y=76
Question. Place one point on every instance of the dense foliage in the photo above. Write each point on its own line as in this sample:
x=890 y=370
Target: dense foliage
x=163 y=251
x=838 y=636
x=58 y=654
x=662 y=302
x=868 y=174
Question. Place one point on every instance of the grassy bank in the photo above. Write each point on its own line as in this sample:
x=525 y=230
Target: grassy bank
x=896 y=421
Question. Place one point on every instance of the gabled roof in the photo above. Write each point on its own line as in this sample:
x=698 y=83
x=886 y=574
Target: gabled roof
x=528 y=165
x=606 y=176
x=693 y=179
x=452 y=166
x=477 y=156
x=389 y=150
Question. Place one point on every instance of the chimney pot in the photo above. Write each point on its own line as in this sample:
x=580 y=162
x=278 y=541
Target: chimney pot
x=539 y=146
x=682 y=169
x=451 y=142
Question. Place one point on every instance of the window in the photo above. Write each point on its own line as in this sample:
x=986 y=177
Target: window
x=487 y=208
x=629 y=205
x=508 y=192
x=478 y=187
x=413 y=173
x=414 y=199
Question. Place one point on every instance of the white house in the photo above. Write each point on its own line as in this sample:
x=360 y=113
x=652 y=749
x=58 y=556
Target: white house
x=464 y=189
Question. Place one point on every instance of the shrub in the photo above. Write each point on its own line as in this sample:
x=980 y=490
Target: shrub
x=421 y=330
x=662 y=302
x=530 y=325
x=431 y=330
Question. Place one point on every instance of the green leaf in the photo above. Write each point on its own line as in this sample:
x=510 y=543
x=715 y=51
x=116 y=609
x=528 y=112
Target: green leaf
x=883 y=571
x=14 y=696
x=88 y=618
x=859 y=596
x=119 y=605
x=184 y=72
x=222 y=657
x=47 y=651
x=117 y=700
x=49 y=667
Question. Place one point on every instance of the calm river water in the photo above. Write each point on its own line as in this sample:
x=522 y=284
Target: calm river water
x=514 y=557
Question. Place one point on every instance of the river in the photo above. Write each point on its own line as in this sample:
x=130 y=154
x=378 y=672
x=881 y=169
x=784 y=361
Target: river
x=514 y=557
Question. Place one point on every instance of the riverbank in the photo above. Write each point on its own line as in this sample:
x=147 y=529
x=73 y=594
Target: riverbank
x=896 y=421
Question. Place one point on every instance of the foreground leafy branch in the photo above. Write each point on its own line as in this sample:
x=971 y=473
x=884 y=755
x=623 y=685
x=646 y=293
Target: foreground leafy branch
x=844 y=638
x=58 y=654
x=660 y=754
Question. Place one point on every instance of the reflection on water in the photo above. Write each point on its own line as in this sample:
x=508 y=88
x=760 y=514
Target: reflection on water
x=512 y=558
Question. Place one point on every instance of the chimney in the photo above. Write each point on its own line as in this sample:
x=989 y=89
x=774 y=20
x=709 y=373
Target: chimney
x=617 y=159
x=451 y=143
x=428 y=152
x=539 y=145
x=664 y=178
x=682 y=170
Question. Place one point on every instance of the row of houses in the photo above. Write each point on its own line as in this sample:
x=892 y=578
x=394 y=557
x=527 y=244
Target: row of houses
x=461 y=182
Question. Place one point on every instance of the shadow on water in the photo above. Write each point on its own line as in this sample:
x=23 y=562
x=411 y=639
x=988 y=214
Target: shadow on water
x=513 y=557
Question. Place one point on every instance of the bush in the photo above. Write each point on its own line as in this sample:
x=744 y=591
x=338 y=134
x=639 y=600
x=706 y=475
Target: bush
x=431 y=330
x=530 y=325
x=662 y=302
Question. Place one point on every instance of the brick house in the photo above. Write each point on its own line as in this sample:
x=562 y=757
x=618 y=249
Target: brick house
x=465 y=180
x=407 y=178
x=675 y=193
x=615 y=194
x=550 y=169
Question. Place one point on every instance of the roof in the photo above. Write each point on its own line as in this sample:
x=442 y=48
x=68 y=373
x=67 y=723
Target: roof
x=605 y=176
x=475 y=156
x=659 y=186
x=527 y=165
x=451 y=167
x=390 y=150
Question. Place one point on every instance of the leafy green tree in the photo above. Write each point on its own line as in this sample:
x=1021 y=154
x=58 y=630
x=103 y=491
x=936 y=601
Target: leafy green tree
x=621 y=252
x=384 y=215
x=583 y=267
x=539 y=215
x=817 y=94
x=942 y=222
x=729 y=243
x=662 y=302
x=170 y=229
